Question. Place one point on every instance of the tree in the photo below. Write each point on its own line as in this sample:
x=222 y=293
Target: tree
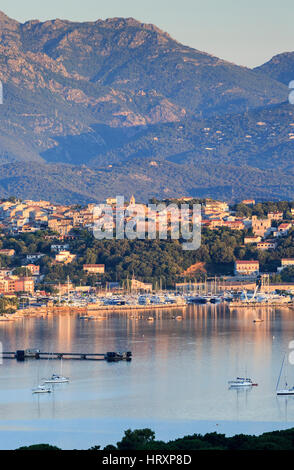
x=21 y=271
x=136 y=440
x=39 y=447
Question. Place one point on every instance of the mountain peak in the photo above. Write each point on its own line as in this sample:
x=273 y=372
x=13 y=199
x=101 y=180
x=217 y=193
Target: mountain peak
x=4 y=19
x=120 y=22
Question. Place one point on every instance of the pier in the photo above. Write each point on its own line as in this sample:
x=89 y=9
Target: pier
x=22 y=354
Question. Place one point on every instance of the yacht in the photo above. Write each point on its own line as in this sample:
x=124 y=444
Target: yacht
x=144 y=300
x=41 y=389
x=241 y=382
x=197 y=299
x=56 y=379
x=215 y=299
x=286 y=390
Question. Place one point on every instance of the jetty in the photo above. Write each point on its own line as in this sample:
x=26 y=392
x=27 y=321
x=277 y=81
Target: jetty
x=23 y=354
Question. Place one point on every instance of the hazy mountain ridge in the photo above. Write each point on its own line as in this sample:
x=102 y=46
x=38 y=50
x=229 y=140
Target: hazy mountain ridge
x=122 y=93
x=70 y=184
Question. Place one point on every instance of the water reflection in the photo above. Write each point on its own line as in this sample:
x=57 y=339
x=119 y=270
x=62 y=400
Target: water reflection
x=180 y=369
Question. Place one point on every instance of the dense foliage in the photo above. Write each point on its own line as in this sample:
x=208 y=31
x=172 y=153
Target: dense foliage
x=144 y=439
x=8 y=305
x=161 y=262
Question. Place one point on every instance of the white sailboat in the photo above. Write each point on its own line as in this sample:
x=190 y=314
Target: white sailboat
x=56 y=378
x=286 y=390
x=241 y=382
x=41 y=389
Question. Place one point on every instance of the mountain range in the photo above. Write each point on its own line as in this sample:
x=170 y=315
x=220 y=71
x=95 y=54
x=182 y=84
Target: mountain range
x=117 y=106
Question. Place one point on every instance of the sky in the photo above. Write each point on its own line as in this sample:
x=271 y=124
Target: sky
x=247 y=32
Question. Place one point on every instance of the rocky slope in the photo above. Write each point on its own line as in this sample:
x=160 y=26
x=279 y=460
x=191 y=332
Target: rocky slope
x=79 y=97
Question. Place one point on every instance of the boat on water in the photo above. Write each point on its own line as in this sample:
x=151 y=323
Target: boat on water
x=258 y=320
x=242 y=382
x=144 y=300
x=260 y=299
x=215 y=299
x=198 y=299
x=41 y=389
x=228 y=297
x=286 y=390
x=56 y=379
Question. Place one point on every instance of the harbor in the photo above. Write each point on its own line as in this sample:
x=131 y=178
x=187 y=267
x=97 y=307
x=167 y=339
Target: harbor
x=96 y=307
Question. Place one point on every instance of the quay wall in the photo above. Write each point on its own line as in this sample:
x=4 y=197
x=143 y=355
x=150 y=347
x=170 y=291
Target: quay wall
x=67 y=309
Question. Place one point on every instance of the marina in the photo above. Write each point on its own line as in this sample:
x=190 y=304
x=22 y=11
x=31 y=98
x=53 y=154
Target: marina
x=98 y=306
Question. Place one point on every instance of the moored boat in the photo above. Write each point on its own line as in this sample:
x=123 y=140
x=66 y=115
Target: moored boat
x=41 y=389
x=56 y=379
x=286 y=390
x=242 y=382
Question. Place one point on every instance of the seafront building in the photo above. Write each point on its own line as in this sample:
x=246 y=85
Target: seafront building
x=246 y=267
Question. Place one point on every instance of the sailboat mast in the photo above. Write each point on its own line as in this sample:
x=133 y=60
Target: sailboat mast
x=280 y=372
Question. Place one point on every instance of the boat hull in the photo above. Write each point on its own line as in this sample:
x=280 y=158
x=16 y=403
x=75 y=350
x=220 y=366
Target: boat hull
x=57 y=381
x=41 y=391
x=247 y=384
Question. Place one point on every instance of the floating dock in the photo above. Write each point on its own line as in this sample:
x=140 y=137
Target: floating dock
x=23 y=354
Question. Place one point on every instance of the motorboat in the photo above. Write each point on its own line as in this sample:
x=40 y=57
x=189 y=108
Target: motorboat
x=215 y=299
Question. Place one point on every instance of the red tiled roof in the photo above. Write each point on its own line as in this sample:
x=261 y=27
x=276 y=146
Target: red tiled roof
x=247 y=262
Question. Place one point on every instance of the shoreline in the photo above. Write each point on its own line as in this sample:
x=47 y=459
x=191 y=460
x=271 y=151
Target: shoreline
x=66 y=309
x=92 y=309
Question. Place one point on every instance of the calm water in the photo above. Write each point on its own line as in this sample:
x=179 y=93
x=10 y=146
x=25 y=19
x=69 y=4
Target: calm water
x=176 y=383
